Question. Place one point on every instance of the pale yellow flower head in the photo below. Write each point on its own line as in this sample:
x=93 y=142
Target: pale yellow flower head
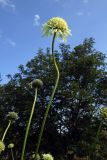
x=103 y=112
x=57 y=25
x=2 y=146
x=47 y=157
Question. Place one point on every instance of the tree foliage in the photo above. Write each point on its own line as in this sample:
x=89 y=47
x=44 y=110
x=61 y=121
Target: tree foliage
x=74 y=116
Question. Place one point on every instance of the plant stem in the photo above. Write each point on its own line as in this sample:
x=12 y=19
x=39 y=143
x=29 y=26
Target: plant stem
x=12 y=154
x=28 y=126
x=6 y=131
x=51 y=98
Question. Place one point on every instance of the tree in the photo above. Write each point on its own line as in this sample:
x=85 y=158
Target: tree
x=74 y=118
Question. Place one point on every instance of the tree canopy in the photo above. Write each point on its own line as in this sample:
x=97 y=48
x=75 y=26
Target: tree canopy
x=74 y=117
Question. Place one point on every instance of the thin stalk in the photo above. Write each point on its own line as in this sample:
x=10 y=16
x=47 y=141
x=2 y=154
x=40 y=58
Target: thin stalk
x=51 y=98
x=12 y=154
x=28 y=126
x=6 y=131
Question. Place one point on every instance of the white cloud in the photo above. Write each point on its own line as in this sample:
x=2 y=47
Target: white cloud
x=11 y=42
x=64 y=3
x=79 y=13
x=85 y=1
x=6 y=40
x=88 y=13
x=36 y=20
x=7 y=3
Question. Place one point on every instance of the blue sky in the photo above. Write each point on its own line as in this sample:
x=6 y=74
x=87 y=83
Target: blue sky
x=21 y=21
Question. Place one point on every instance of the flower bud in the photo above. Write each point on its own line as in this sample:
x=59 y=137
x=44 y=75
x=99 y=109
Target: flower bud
x=11 y=145
x=36 y=83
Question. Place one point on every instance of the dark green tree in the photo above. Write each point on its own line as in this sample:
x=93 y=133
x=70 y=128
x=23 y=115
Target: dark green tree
x=74 y=118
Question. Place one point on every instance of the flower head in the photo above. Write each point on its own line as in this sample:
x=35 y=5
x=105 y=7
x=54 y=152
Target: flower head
x=47 y=157
x=103 y=112
x=56 y=25
x=2 y=146
x=11 y=145
x=12 y=116
x=36 y=83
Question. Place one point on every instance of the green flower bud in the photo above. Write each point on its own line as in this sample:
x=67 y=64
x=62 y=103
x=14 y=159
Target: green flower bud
x=47 y=157
x=2 y=146
x=36 y=83
x=11 y=145
x=12 y=116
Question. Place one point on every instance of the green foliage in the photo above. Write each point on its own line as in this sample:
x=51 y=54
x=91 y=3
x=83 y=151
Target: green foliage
x=74 y=118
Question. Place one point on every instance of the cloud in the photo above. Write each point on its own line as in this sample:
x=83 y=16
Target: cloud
x=11 y=42
x=64 y=3
x=87 y=13
x=79 y=13
x=36 y=20
x=6 y=40
x=7 y=3
x=85 y=1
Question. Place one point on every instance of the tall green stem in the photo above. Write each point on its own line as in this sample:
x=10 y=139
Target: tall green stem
x=51 y=98
x=6 y=131
x=12 y=154
x=28 y=126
